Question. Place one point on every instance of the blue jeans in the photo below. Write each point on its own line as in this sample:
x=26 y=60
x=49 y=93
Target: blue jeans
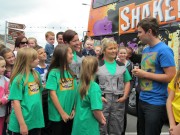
x=150 y=118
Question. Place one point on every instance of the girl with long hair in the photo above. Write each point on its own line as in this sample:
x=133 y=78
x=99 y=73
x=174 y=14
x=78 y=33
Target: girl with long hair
x=89 y=103
x=62 y=85
x=10 y=60
x=25 y=93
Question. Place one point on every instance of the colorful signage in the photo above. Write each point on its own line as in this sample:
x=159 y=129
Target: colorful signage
x=166 y=11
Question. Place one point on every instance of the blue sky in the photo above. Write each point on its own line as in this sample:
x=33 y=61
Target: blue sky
x=40 y=16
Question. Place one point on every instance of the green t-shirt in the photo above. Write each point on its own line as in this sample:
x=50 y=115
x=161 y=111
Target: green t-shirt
x=75 y=56
x=127 y=76
x=65 y=91
x=84 y=121
x=111 y=67
x=30 y=101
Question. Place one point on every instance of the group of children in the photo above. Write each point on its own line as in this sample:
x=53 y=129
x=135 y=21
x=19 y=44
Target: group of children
x=83 y=91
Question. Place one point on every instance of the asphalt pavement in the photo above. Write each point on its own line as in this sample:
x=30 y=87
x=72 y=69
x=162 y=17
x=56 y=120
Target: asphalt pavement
x=131 y=126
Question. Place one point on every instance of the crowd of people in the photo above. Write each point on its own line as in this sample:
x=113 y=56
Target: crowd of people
x=70 y=89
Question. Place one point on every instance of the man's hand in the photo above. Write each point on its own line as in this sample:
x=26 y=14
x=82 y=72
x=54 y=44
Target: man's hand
x=139 y=73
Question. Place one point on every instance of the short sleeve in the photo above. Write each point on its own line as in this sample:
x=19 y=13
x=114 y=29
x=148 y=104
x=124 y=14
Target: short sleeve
x=40 y=85
x=166 y=57
x=171 y=85
x=52 y=81
x=127 y=76
x=16 y=90
x=95 y=97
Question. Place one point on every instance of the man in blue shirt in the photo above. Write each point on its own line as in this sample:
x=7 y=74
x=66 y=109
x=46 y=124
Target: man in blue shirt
x=157 y=70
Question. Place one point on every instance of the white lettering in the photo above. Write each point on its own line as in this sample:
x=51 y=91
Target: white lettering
x=157 y=10
x=145 y=11
x=125 y=18
x=168 y=16
x=163 y=10
x=135 y=17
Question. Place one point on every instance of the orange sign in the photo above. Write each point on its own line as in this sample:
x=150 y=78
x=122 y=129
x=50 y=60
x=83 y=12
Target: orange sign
x=166 y=11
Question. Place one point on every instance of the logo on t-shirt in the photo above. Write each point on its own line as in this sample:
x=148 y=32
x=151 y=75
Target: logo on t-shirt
x=67 y=85
x=33 y=88
x=148 y=64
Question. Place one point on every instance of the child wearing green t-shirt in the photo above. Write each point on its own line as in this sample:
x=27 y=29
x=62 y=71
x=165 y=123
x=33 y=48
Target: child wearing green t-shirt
x=172 y=104
x=25 y=93
x=62 y=85
x=89 y=103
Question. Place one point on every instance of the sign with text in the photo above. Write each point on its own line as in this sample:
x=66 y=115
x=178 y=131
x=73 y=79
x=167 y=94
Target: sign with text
x=166 y=11
x=15 y=33
x=16 y=25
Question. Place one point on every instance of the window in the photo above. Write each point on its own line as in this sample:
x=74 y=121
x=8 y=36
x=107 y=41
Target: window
x=100 y=3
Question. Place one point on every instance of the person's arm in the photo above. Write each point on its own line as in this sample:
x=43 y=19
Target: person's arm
x=18 y=112
x=175 y=130
x=169 y=109
x=127 y=78
x=168 y=75
x=0 y=102
x=58 y=106
x=126 y=92
x=4 y=99
x=99 y=116
x=126 y=89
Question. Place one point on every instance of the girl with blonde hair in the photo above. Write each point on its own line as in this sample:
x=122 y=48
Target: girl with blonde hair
x=114 y=81
x=89 y=104
x=32 y=42
x=25 y=93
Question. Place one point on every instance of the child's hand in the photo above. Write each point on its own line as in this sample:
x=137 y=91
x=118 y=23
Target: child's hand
x=72 y=115
x=103 y=122
x=104 y=100
x=65 y=117
x=174 y=130
x=121 y=99
x=23 y=129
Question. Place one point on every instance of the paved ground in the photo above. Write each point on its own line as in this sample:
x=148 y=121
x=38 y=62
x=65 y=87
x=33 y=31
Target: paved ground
x=131 y=126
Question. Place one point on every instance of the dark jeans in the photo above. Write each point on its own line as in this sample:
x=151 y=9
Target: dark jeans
x=151 y=118
x=137 y=103
x=35 y=131
x=46 y=130
x=61 y=128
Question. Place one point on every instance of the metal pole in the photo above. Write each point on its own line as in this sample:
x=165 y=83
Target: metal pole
x=5 y=34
